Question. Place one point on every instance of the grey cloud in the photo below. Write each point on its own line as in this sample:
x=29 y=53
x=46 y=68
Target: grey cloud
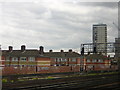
x=111 y=5
x=39 y=24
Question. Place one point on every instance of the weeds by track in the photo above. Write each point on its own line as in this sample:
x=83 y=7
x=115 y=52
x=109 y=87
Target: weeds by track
x=68 y=82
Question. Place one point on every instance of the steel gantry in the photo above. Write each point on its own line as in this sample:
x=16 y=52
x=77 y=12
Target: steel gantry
x=94 y=48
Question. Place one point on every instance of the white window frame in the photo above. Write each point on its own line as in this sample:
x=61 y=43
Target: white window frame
x=7 y=58
x=73 y=60
x=59 y=60
x=56 y=59
x=31 y=58
x=62 y=60
x=14 y=58
x=65 y=60
x=94 y=60
x=88 y=60
x=100 y=60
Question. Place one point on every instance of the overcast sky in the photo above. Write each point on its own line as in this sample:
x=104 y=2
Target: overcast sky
x=54 y=25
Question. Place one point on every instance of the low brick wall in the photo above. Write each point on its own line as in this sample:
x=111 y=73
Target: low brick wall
x=31 y=70
x=18 y=70
x=50 y=69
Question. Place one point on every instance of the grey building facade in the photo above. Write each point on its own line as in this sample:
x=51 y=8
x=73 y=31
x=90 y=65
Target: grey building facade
x=100 y=38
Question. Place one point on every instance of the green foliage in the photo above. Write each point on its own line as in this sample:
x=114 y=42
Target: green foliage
x=12 y=81
x=4 y=80
x=49 y=77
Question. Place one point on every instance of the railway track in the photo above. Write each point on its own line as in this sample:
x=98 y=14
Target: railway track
x=107 y=81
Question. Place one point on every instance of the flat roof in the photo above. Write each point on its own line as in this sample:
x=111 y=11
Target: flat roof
x=99 y=25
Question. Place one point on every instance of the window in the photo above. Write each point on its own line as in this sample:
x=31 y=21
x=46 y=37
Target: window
x=14 y=58
x=72 y=64
x=55 y=59
x=65 y=60
x=23 y=58
x=88 y=60
x=73 y=60
x=100 y=60
x=94 y=60
x=62 y=60
x=44 y=68
x=31 y=58
x=59 y=60
x=7 y=58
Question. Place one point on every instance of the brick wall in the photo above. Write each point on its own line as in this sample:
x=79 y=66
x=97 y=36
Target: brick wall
x=31 y=70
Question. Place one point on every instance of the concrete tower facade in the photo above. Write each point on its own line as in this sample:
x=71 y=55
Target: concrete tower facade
x=117 y=40
x=100 y=38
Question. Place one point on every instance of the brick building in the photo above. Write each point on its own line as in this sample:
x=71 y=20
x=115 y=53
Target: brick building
x=37 y=61
x=33 y=61
x=97 y=62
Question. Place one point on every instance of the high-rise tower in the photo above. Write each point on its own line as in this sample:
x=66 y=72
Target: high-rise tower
x=100 y=38
x=117 y=40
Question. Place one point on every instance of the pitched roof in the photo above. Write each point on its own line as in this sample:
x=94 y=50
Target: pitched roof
x=35 y=53
x=96 y=56
x=62 y=54
x=19 y=53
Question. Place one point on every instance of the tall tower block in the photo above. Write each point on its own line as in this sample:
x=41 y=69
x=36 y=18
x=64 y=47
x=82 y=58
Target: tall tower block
x=100 y=38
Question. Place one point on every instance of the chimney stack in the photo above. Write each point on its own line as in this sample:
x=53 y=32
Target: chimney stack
x=82 y=51
x=23 y=48
x=10 y=48
x=70 y=50
x=94 y=50
x=61 y=50
x=50 y=50
x=41 y=50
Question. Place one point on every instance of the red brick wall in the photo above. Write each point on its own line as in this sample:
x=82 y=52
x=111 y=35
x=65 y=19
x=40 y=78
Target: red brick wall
x=101 y=67
x=18 y=70
x=30 y=70
x=43 y=58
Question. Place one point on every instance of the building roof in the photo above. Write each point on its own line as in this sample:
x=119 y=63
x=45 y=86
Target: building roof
x=99 y=24
x=61 y=54
x=36 y=53
x=19 y=53
x=96 y=56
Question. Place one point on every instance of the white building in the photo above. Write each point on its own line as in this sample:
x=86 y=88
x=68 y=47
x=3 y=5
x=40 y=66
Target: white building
x=100 y=38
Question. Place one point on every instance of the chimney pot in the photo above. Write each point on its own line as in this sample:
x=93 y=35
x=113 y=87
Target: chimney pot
x=70 y=50
x=23 y=48
x=61 y=50
x=82 y=51
x=50 y=50
x=10 y=48
x=41 y=50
